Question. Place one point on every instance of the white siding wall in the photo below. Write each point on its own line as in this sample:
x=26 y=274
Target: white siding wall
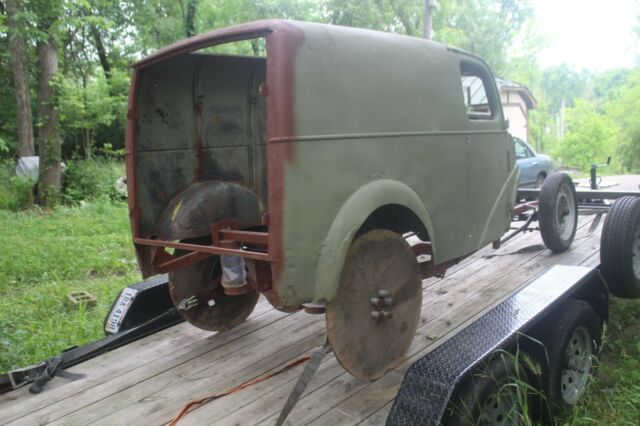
x=515 y=110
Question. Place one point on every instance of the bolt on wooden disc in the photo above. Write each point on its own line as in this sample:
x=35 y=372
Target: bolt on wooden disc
x=213 y=310
x=376 y=311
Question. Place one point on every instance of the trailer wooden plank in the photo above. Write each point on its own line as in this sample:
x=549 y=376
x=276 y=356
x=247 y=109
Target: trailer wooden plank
x=150 y=380
x=168 y=410
x=444 y=295
x=364 y=403
x=182 y=370
x=120 y=362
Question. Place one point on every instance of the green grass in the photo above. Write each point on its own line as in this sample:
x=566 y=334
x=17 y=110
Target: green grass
x=614 y=396
x=46 y=255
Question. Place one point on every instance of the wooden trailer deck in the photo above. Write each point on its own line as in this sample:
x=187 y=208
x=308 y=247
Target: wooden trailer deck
x=148 y=381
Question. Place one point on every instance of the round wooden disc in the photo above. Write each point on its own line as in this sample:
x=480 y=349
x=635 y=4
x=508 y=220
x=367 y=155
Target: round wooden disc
x=367 y=347
x=202 y=280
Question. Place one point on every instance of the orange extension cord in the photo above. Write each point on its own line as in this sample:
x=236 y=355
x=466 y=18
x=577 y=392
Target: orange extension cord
x=199 y=402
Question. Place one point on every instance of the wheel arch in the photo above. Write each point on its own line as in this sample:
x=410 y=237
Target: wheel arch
x=384 y=203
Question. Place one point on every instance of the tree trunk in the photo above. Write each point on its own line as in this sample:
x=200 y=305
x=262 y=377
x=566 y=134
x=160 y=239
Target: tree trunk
x=87 y=140
x=49 y=130
x=102 y=52
x=191 y=18
x=20 y=79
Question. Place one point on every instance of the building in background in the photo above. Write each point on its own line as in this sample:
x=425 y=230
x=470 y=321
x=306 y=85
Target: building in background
x=516 y=100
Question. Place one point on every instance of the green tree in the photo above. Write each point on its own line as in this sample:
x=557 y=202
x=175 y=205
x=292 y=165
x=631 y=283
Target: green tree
x=18 y=55
x=49 y=145
x=484 y=27
x=625 y=110
x=590 y=137
x=84 y=109
x=562 y=84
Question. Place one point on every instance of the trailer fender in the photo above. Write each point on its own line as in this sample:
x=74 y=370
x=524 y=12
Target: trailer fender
x=353 y=214
x=191 y=212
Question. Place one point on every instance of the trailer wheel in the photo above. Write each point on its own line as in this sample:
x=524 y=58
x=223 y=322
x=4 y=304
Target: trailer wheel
x=620 y=248
x=211 y=309
x=558 y=212
x=496 y=394
x=571 y=341
x=376 y=310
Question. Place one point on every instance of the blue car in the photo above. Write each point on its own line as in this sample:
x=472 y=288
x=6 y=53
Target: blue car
x=534 y=167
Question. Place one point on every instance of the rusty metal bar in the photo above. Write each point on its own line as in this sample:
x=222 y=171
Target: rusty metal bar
x=422 y=248
x=524 y=207
x=182 y=261
x=218 y=226
x=598 y=194
x=428 y=269
x=250 y=237
x=203 y=249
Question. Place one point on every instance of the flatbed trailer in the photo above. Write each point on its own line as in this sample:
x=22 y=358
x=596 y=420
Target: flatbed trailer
x=151 y=379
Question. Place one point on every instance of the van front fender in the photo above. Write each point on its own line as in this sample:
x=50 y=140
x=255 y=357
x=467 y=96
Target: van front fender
x=355 y=211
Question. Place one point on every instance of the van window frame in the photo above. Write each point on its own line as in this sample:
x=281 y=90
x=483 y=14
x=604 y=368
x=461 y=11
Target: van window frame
x=472 y=68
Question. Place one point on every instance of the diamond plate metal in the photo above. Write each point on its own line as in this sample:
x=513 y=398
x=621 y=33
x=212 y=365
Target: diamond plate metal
x=430 y=381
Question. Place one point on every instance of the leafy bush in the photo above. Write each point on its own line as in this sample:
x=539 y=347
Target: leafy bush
x=86 y=180
x=591 y=137
x=15 y=193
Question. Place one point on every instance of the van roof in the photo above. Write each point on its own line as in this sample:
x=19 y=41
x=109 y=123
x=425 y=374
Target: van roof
x=250 y=30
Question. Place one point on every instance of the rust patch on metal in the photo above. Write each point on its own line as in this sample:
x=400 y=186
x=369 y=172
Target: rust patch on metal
x=237 y=291
x=422 y=248
x=282 y=45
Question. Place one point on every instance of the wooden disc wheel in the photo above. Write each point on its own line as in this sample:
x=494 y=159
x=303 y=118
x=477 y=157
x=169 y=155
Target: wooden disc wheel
x=373 y=319
x=207 y=306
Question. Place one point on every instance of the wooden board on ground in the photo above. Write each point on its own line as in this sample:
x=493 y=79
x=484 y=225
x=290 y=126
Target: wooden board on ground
x=152 y=379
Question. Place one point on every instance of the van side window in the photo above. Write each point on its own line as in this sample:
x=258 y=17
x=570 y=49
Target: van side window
x=476 y=101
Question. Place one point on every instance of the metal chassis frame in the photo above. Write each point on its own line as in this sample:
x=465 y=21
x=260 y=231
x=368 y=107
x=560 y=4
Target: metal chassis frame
x=587 y=204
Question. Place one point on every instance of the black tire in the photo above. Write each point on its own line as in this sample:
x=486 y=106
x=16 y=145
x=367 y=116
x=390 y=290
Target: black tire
x=620 y=248
x=558 y=212
x=494 y=394
x=198 y=280
x=571 y=333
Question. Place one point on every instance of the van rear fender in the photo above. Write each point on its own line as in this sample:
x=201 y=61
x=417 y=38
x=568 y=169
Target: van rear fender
x=353 y=218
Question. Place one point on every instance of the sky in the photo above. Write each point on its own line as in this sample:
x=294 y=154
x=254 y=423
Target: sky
x=592 y=34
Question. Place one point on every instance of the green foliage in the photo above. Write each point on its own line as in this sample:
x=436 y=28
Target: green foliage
x=606 y=86
x=541 y=129
x=625 y=109
x=563 y=84
x=15 y=193
x=591 y=137
x=86 y=180
x=4 y=147
x=85 y=106
x=44 y=257
x=484 y=27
